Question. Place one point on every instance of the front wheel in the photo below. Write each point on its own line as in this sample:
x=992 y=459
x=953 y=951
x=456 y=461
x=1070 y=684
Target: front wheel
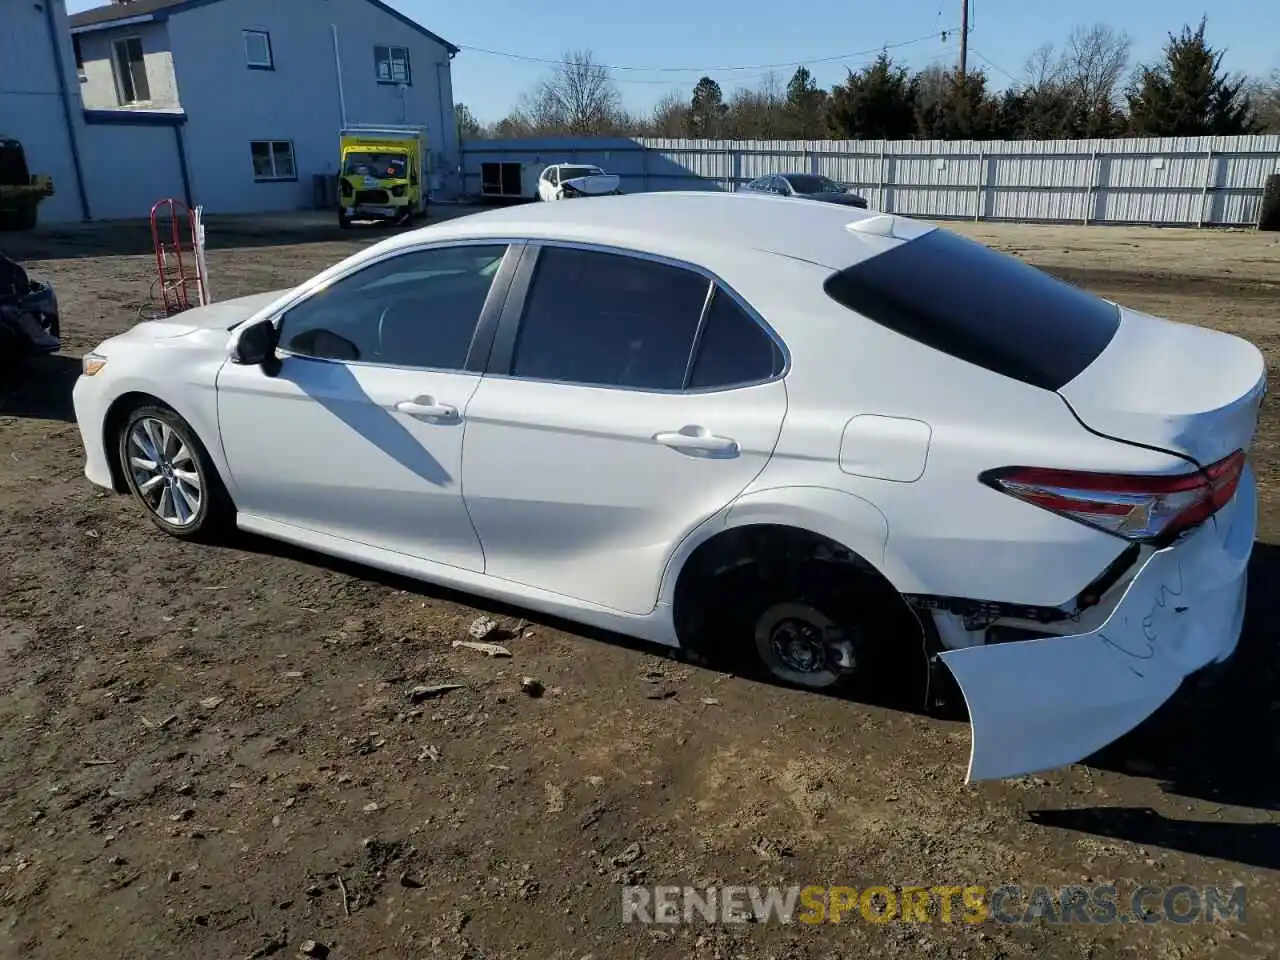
x=169 y=473
x=344 y=222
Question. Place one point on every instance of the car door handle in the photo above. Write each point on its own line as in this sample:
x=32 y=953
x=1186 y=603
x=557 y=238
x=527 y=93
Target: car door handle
x=427 y=407
x=697 y=440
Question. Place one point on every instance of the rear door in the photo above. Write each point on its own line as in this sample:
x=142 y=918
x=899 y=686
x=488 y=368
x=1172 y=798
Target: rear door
x=629 y=400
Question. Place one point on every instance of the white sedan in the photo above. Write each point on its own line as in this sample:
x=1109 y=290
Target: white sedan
x=810 y=432
x=567 y=181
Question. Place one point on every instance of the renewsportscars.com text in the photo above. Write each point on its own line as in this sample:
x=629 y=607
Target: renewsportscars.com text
x=971 y=904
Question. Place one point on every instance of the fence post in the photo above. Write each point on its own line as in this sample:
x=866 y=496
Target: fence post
x=1204 y=190
x=982 y=181
x=884 y=185
x=644 y=168
x=734 y=167
x=1094 y=172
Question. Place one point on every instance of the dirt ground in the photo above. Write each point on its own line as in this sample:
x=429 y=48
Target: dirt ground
x=215 y=752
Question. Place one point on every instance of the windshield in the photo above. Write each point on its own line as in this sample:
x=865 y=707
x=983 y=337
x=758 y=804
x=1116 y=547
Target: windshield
x=808 y=183
x=572 y=173
x=382 y=166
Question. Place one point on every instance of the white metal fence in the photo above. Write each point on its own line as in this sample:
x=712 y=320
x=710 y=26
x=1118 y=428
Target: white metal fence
x=1190 y=181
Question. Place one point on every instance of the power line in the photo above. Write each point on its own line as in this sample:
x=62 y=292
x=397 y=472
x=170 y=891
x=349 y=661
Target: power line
x=994 y=66
x=872 y=51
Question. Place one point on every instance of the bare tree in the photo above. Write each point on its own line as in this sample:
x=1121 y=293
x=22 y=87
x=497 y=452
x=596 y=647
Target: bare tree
x=579 y=97
x=759 y=113
x=1265 y=94
x=1043 y=70
x=1093 y=64
x=670 y=116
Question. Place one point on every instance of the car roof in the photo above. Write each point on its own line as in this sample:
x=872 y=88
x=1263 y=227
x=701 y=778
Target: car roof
x=699 y=225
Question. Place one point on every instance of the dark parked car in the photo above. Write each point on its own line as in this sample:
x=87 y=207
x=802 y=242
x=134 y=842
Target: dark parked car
x=808 y=186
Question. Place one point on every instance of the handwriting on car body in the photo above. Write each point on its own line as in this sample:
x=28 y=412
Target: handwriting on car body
x=1132 y=646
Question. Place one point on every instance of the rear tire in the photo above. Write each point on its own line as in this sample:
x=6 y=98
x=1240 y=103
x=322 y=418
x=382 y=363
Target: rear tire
x=168 y=471
x=807 y=633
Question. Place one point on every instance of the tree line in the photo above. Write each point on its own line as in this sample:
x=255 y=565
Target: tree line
x=1087 y=88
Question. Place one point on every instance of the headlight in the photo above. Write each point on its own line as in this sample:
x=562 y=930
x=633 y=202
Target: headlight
x=91 y=363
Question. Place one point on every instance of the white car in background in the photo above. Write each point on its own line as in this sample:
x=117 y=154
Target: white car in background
x=566 y=181
x=827 y=437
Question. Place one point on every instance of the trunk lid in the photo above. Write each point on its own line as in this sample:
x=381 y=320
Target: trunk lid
x=1173 y=386
x=596 y=184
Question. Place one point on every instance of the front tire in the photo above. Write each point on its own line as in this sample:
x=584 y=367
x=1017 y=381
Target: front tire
x=168 y=471
x=344 y=222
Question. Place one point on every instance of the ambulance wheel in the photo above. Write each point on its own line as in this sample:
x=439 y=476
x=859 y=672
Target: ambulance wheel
x=344 y=222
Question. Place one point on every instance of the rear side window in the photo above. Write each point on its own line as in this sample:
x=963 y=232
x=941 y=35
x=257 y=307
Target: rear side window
x=733 y=349
x=608 y=320
x=982 y=306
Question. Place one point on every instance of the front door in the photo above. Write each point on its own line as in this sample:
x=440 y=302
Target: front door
x=359 y=433
x=601 y=444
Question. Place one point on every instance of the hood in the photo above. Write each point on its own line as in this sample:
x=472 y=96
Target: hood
x=595 y=184
x=222 y=315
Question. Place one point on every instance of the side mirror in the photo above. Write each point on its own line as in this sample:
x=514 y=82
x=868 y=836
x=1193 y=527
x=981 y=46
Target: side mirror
x=254 y=344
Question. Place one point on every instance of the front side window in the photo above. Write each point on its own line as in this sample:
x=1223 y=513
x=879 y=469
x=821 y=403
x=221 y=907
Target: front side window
x=257 y=49
x=608 y=319
x=976 y=304
x=273 y=160
x=391 y=64
x=417 y=309
x=131 y=71
x=572 y=173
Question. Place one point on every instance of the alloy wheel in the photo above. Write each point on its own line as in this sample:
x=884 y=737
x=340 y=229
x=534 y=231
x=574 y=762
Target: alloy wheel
x=165 y=472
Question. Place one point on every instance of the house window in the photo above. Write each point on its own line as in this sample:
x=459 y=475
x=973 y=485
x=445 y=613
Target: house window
x=273 y=160
x=130 y=71
x=257 y=50
x=392 y=64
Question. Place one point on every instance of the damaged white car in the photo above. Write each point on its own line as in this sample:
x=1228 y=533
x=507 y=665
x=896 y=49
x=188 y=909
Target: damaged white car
x=819 y=435
x=567 y=181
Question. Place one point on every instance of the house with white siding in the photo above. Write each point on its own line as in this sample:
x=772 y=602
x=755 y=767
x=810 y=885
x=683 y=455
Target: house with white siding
x=258 y=90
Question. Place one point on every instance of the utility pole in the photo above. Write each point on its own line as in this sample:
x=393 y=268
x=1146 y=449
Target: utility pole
x=964 y=36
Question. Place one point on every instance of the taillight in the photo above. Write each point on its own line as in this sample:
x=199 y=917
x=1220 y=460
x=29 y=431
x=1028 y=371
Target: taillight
x=1133 y=506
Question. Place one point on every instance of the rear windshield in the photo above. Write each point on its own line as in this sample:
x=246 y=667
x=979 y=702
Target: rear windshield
x=991 y=309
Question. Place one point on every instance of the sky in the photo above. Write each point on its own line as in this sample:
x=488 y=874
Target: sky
x=656 y=46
